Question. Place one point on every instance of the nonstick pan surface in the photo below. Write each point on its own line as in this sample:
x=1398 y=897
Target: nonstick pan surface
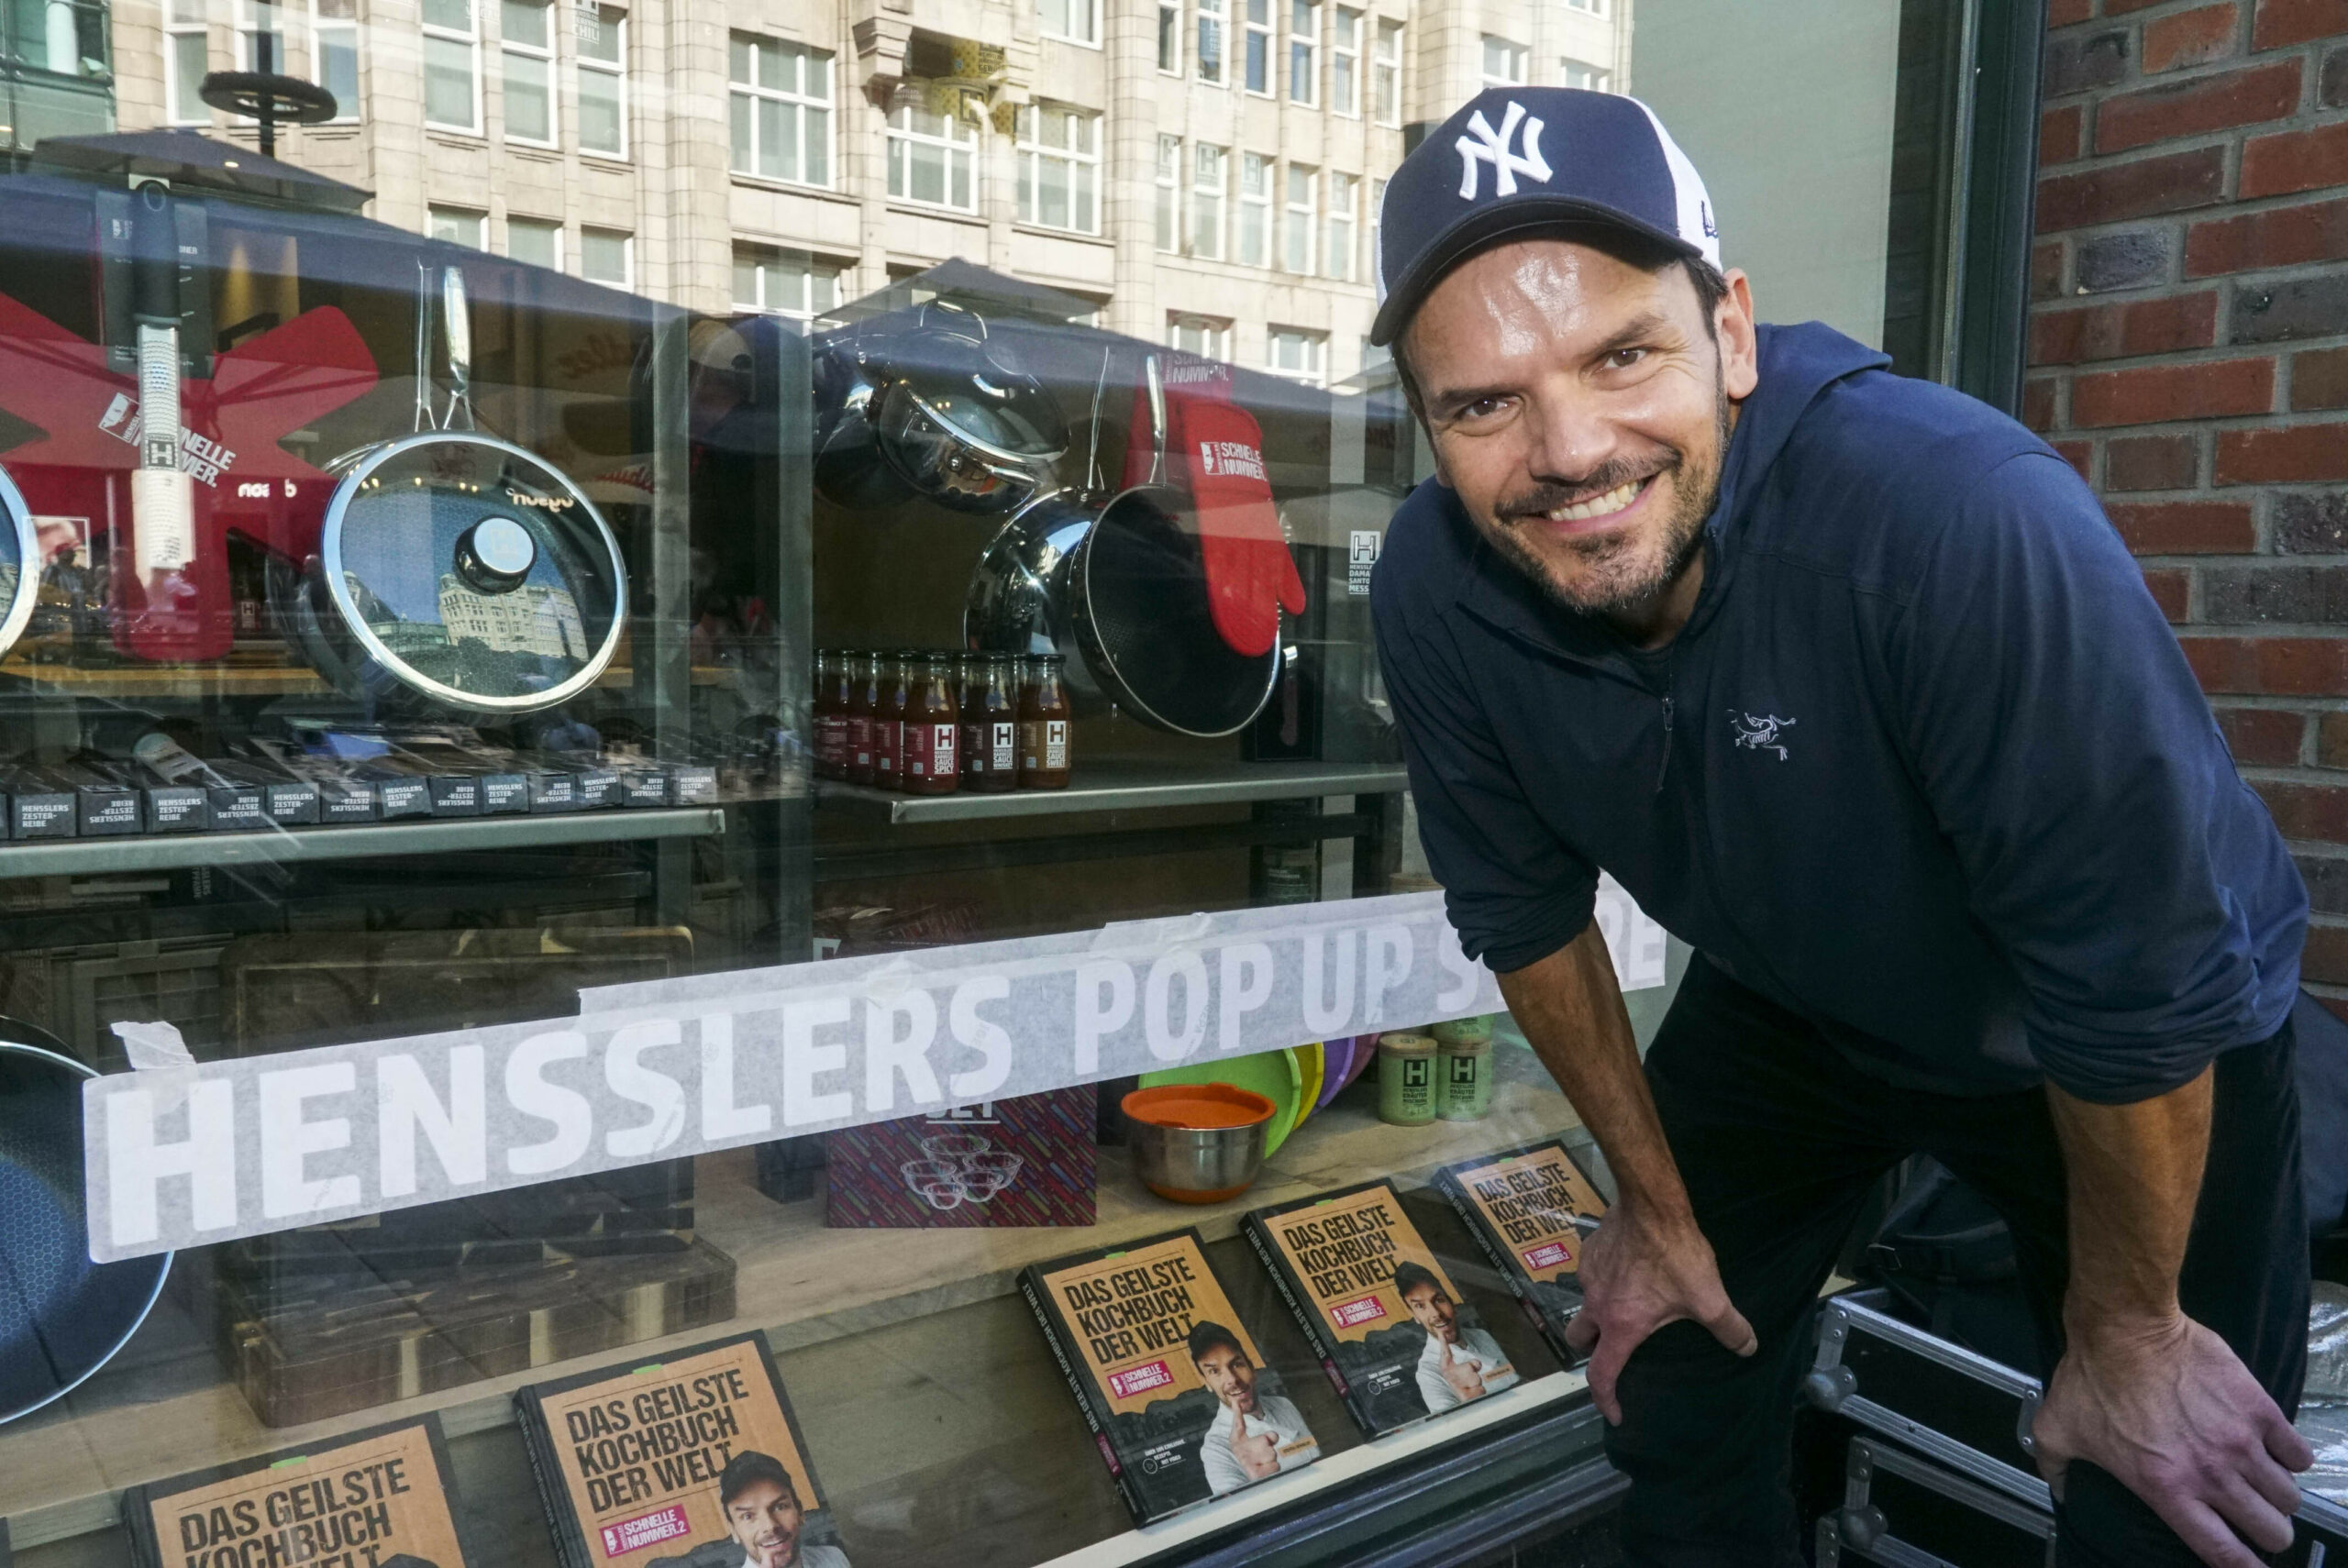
x=61 y=1315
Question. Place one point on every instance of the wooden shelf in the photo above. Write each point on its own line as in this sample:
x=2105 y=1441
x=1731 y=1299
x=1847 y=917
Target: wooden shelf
x=62 y=1470
x=1114 y=786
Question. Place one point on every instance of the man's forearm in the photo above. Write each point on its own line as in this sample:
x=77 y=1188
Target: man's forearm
x=2133 y=1175
x=1570 y=1008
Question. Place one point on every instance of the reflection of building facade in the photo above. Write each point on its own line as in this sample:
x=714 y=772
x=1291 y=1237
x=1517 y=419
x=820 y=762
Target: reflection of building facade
x=534 y=619
x=1206 y=170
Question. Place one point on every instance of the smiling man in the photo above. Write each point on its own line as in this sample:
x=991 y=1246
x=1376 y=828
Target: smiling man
x=764 y=1517
x=1256 y=1433
x=1847 y=680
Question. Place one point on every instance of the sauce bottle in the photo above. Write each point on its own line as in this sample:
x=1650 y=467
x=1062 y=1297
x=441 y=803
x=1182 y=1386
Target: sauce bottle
x=863 y=700
x=889 y=720
x=970 y=692
x=991 y=724
x=832 y=703
x=1044 y=749
x=933 y=728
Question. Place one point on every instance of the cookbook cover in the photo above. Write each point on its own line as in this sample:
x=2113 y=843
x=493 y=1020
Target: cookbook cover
x=1531 y=1209
x=1022 y=1161
x=1392 y=1333
x=695 y=1459
x=373 y=1500
x=1170 y=1382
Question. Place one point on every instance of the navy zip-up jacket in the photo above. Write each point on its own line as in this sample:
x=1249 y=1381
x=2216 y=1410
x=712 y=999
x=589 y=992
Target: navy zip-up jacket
x=1925 y=765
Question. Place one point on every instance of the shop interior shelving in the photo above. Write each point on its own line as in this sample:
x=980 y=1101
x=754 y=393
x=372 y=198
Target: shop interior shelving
x=846 y=1291
x=1114 y=784
x=94 y=856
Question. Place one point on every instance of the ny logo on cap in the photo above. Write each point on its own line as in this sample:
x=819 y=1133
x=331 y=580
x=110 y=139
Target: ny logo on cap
x=1488 y=145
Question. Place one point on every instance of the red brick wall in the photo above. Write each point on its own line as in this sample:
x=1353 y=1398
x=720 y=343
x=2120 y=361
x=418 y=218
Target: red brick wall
x=2189 y=354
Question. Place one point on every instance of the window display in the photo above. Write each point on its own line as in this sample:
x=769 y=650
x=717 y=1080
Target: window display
x=686 y=710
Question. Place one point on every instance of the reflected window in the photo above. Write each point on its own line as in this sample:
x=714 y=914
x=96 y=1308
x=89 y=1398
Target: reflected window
x=603 y=84
x=606 y=256
x=1255 y=242
x=933 y=158
x=1206 y=201
x=780 y=110
x=333 y=54
x=1590 y=77
x=1169 y=192
x=1386 y=73
x=1202 y=334
x=1303 y=212
x=1059 y=169
x=785 y=283
x=1304 y=52
x=1298 y=354
x=261 y=41
x=1504 y=62
x=1259 y=48
x=1210 y=20
x=1589 y=8
x=1337 y=254
x=537 y=241
x=1169 y=39
x=1344 y=61
x=451 y=65
x=455 y=225
x=527 y=46
x=186 y=55
x=1079 y=21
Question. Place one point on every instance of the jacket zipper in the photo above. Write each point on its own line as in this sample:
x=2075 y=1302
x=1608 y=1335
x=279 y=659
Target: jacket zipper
x=1666 y=765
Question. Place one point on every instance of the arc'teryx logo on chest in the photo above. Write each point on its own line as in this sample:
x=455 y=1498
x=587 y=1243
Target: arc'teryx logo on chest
x=1489 y=145
x=1759 y=732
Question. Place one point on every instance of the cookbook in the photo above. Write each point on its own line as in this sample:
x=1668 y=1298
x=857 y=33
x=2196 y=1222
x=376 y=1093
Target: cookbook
x=1172 y=1383
x=1531 y=1209
x=1394 y=1335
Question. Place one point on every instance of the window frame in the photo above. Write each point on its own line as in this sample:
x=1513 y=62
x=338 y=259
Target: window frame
x=1259 y=206
x=1304 y=48
x=1346 y=62
x=1214 y=331
x=176 y=32
x=1214 y=20
x=1598 y=79
x=1208 y=201
x=800 y=102
x=320 y=25
x=246 y=27
x=546 y=55
x=1315 y=343
x=899 y=141
x=550 y=226
x=1261 y=44
x=1088 y=39
x=1386 y=72
x=1168 y=211
x=627 y=256
x=1169 y=31
x=435 y=214
x=471 y=40
x=766 y=258
x=1333 y=244
x=1514 y=54
x=1028 y=154
x=1297 y=221
x=588 y=65
x=1587 y=7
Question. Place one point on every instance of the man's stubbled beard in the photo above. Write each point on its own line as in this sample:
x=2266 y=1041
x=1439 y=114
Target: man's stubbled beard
x=1618 y=573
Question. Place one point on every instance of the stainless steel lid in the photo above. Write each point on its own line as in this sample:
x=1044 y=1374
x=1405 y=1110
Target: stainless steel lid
x=473 y=572
x=19 y=564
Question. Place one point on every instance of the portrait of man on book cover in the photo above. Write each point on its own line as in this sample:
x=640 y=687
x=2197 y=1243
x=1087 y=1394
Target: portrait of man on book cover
x=765 y=1522
x=1256 y=1432
x=1461 y=1361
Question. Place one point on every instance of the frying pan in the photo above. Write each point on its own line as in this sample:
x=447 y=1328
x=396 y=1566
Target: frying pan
x=61 y=1315
x=1118 y=585
x=19 y=565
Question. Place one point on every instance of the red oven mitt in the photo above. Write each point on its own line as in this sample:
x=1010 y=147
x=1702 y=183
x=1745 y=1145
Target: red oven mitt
x=1214 y=452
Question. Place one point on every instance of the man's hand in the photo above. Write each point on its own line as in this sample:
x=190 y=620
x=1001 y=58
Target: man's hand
x=1260 y=1455
x=1466 y=1379
x=2171 y=1411
x=1636 y=1276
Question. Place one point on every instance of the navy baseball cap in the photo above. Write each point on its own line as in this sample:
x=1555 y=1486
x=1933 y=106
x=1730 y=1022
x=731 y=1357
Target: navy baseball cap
x=1518 y=158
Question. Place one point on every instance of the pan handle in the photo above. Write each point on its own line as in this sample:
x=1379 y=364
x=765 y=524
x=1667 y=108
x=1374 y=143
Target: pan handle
x=1092 y=462
x=1156 y=419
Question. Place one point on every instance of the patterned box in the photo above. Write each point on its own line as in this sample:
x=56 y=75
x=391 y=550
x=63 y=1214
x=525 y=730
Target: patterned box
x=1027 y=1161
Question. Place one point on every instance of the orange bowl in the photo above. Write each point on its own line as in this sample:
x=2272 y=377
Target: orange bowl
x=1198 y=1107
x=1197 y=1142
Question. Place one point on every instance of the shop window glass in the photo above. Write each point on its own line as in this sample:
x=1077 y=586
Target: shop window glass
x=1337 y=254
x=1259 y=47
x=1059 y=169
x=335 y=42
x=1304 y=52
x=1293 y=351
x=527 y=46
x=606 y=256
x=1169 y=39
x=1386 y=84
x=1169 y=192
x=1255 y=239
x=785 y=283
x=1202 y=334
x=1212 y=15
x=1207 y=181
x=780 y=110
x=1504 y=62
x=1344 y=61
x=535 y=240
x=1304 y=214
x=456 y=226
x=451 y=65
x=186 y=46
x=1079 y=21
x=603 y=85
x=933 y=158
x=1588 y=77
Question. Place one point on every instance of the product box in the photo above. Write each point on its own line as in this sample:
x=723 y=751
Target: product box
x=593 y=786
x=285 y=800
x=1392 y=1333
x=103 y=807
x=1025 y=1160
x=1531 y=1209
x=692 y=785
x=642 y=784
x=694 y=1459
x=379 y=1498
x=1170 y=1382
x=343 y=799
x=165 y=806
x=39 y=806
x=402 y=794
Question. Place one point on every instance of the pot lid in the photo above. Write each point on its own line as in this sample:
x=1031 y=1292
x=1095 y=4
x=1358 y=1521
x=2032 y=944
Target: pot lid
x=474 y=573
x=19 y=564
x=978 y=390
